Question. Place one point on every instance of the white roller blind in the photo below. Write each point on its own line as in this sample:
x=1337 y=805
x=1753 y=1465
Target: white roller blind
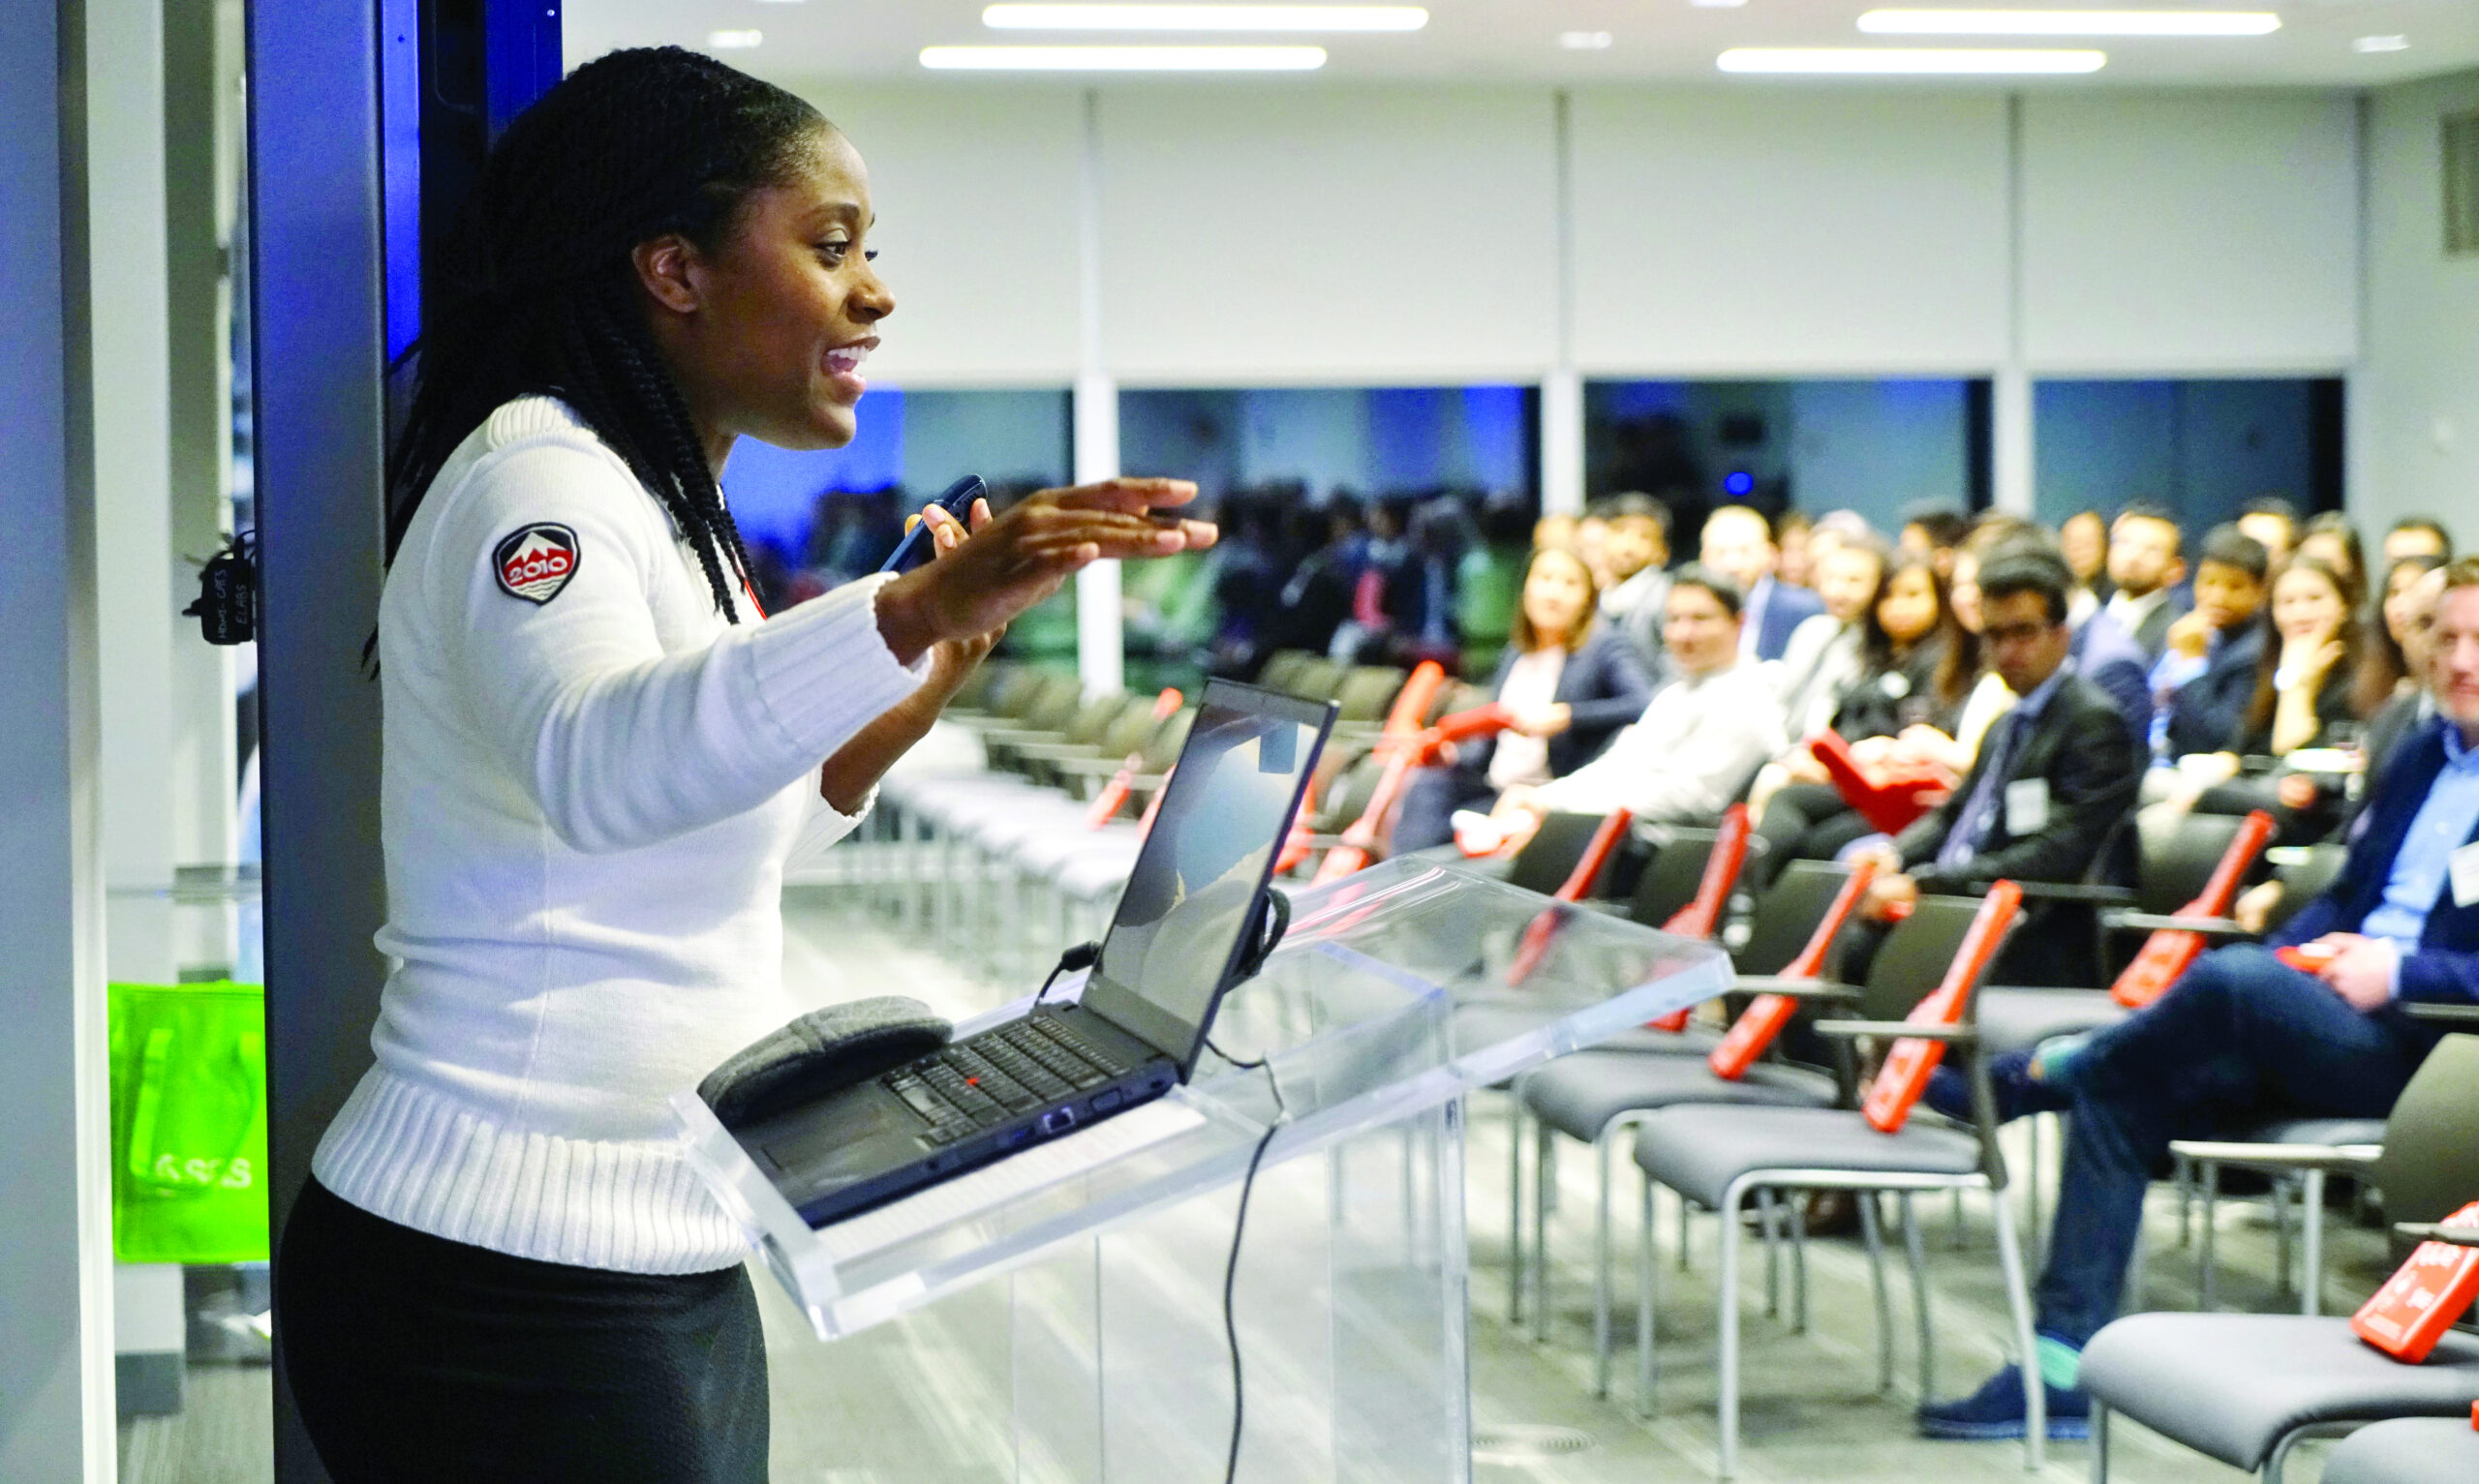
x=1767 y=231
x=975 y=190
x=2193 y=232
x=1269 y=234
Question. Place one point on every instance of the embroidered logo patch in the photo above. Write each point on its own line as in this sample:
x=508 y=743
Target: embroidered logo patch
x=536 y=562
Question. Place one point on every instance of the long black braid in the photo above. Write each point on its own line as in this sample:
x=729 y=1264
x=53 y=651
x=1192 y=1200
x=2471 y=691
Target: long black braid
x=542 y=295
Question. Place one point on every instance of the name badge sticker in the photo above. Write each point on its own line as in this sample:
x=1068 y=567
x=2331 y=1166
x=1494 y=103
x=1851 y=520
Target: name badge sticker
x=2027 y=807
x=2462 y=865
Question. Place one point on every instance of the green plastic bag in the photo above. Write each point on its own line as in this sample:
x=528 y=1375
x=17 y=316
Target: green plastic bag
x=189 y=1123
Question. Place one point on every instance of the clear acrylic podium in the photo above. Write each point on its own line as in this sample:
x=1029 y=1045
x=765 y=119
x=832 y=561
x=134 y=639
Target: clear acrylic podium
x=1396 y=991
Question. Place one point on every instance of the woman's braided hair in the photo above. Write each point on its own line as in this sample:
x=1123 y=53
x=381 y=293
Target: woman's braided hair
x=541 y=294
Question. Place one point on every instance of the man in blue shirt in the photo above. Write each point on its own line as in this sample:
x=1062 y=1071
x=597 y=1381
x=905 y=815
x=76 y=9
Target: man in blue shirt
x=2245 y=1033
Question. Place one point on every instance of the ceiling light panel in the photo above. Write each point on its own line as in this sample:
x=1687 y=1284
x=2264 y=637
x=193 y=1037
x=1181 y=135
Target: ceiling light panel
x=2070 y=22
x=1124 y=59
x=734 y=40
x=1898 y=61
x=1205 y=17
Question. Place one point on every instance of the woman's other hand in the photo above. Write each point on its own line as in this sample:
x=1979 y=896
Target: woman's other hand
x=953 y=661
x=1017 y=559
x=1544 y=721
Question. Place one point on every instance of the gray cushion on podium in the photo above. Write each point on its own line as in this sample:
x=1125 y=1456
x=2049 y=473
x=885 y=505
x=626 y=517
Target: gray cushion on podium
x=2231 y=1384
x=1698 y=1150
x=2409 y=1450
x=1579 y=1094
x=2013 y=1018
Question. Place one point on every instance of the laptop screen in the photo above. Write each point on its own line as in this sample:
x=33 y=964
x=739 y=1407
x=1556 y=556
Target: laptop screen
x=1197 y=879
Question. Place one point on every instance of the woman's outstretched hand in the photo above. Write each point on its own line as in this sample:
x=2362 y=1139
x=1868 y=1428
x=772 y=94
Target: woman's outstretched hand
x=1012 y=561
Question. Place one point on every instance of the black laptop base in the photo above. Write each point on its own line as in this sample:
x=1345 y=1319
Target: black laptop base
x=1048 y=1074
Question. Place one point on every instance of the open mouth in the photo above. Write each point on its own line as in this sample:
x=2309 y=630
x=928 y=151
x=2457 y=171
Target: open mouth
x=845 y=360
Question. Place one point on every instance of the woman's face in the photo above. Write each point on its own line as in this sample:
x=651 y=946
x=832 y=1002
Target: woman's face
x=1963 y=591
x=1908 y=609
x=2305 y=605
x=2397 y=582
x=1846 y=581
x=1554 y=595
x=2328 y=548
x=2086 y=541
x=766 y=334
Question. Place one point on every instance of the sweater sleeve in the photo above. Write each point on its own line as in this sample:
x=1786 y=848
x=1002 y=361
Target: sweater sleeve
x=621 y=743
x=1735 y=730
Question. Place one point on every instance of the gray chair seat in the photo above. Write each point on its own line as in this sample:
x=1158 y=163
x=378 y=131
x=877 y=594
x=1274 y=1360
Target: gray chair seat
x=2321 y=1130
x=1579 y=1095
x=1699 y=1151
x=2233 y=1385
x=2408 y=1450
x=2011 y=1020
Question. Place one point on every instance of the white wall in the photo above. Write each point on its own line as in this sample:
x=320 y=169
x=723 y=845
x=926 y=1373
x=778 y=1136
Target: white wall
x=2194 y=232
x=1769 y=231
x=2414 y=407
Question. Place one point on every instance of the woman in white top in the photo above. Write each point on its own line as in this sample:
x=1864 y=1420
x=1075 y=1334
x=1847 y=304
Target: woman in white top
x=600 y=755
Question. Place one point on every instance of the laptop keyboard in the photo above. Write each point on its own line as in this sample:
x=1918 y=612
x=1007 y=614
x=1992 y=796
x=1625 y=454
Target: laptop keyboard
x=1001 y=1075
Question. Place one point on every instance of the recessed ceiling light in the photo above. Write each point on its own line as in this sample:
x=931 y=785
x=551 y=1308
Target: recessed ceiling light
x=734 y=40
x=1884 y=61
x=1717 y=5
x=2070 y=22
x=2382 y=44
x=1585 y=40
x=1124 y=59
x=1205 y=17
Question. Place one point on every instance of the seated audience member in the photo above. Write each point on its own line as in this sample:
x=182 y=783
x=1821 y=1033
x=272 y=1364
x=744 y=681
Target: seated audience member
x=2417 y=535
x=2331 y=538
x=1793 y=536
x=2274 y=523
x=2049 y=790
x=2244 y=1036
x=2397 y=673
x=2147 y=561
x=2102 y=651
x=2084 y=538
x=1571 y=682
x=1636 y=548
x=1936 y=532
x=1738 y=546
x=2207 y=675
x=1822 y=657
x=1904 y=681
x=1698 y=742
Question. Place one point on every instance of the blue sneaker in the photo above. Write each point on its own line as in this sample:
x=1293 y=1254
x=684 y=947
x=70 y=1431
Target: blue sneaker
x=2009 y=1078
x=1996 y=1411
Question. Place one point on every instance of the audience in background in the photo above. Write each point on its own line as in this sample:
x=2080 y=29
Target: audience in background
x=1936 y=532
x=1490 y=583
x=2274 y=523
x=2147 y=561
x=1793 y=533
x=2331 y=538
x=2046 y=793
x=1637 y=549
x=2084 y=538
x=2417 y=535
x=2389 y=668
x=1738 y=545
x=1571 y=682
x=2204 y=681
x=1700 y=739
x=1822 y=657
x=2244 y=1036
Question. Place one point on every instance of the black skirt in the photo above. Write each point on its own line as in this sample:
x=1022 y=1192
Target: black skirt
x=416 y=1358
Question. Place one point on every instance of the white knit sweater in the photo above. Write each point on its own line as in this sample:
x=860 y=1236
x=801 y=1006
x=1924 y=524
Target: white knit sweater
x=591 y=786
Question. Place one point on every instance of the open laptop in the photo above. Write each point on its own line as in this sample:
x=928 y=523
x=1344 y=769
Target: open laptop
x=1193 y=905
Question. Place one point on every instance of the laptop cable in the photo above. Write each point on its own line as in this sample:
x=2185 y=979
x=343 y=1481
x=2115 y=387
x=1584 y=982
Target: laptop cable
x=1080 y=956
x=1239 y=1230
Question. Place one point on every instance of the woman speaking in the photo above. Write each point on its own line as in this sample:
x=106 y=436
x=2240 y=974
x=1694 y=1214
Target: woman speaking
x=599 y=756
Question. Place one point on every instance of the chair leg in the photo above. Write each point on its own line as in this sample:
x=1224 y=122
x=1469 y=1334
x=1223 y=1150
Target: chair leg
x=1545 y=1179
x=2100 y=1443
x=1682 y=1233
x=1796 y=1207
x=1915 y=1249
x=2311 y=1274
x=1601 y=1268
x=1514 y=1210
x=2279 y=1460
x=1960 y=1237
x=1647 y=1267
x=2036 y=1125
x=2018 y=1297
x=2283 y=1187
x=1874 y=1236
x=1766 y=1213
x=1728 y=1408
x=2208 y=1281
x=2183 y=1171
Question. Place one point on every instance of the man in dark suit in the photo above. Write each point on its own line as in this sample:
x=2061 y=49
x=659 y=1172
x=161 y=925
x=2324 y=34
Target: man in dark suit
x=2243 y=1032
x=2147 y=561
x=2054 y=779
x=2208 y=670
x=1738 y=543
